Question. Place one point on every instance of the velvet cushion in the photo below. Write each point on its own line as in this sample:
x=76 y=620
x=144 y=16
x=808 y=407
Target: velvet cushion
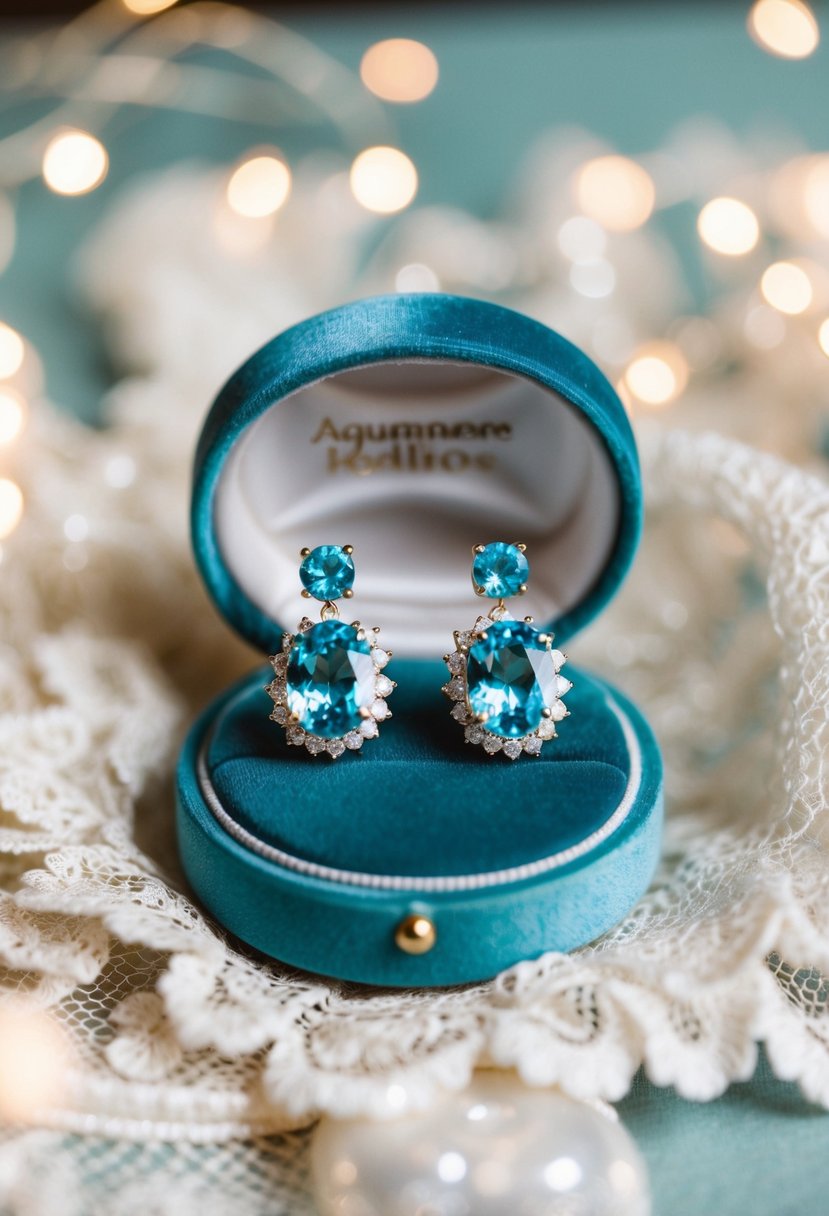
x=418 y=800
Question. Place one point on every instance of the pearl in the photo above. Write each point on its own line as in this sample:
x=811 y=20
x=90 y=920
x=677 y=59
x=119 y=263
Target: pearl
x=497 y=1149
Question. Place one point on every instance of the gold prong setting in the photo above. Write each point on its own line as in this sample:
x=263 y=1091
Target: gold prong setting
x=328 y=571
x=475 y=732
x=370 y=715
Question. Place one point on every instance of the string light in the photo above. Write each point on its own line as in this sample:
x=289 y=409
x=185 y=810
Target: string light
x=12 y=351
x=416 y=277
x=787 y=28
x=657 y=374
x=74 y=162
x=12 y=416
x=728 y=226
x=787 y=287
x=823 y=337
x=383 y=180
x=259 y=187
x=148 y=8
x=399 y=70
x=11 y=506
x=616 y=192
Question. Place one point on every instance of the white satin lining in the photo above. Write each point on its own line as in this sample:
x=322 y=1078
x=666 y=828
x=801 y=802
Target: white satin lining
x=550 y=483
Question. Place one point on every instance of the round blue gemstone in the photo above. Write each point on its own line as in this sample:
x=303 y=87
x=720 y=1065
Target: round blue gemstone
x=329 y=679
x=511 y=679
x=327 y=572
x=500 y=570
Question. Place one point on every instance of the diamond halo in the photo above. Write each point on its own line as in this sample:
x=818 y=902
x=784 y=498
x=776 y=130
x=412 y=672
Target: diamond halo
x=475 y=730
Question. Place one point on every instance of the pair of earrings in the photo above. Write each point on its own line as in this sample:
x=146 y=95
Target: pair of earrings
x=330 y=689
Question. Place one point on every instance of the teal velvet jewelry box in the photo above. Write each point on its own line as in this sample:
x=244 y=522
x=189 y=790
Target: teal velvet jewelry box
x=414 y=427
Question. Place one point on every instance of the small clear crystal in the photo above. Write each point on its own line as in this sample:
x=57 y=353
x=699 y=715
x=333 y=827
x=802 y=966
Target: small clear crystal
x=353 y=740
x=335 y=747
x=474 y=733
x=280 y=662
x=558 y=711
x=513 y=748
x=456 y=662
x=481 y=625
x=460 y=713
x=563 y=685
x=368 y=728
x=546 y=729
x=380 y=656
x=280 y=714
x=383 y=686
x=465 y=639
x=532 y=745
x=558 y=659
x=492 y=743
x=456 y=689
x=380 y=710
x=287 y=641
x=304 y=625
x=314 y=745
x=295 y=735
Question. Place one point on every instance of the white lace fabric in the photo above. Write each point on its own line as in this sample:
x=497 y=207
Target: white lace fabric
x=111 y=647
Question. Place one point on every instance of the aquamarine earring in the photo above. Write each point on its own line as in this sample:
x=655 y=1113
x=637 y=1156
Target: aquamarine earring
x=329 y=690
x=504 y=674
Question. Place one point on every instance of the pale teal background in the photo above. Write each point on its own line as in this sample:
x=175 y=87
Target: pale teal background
x=629 y=73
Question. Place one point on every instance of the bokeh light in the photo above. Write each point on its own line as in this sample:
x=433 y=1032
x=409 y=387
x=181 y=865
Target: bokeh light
x=657 y=374
x=12 y=351
x=616 y=192
x=816 y=194
x=259 y=187
x=823 y=337
x=12 y=416
x=595 y=279
x=764 y=327
x=728 y=226
x=11 y=506
x=416 y=277
x=148 y=8
x=581 y=239
x=399 y=70
x=383 y=180
x=787 y=287
x=74 y=162
x=34 y=1058
x=7 y=231
x=787 y=28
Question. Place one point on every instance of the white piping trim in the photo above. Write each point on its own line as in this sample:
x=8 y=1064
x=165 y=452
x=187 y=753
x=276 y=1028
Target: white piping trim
x=432 y=883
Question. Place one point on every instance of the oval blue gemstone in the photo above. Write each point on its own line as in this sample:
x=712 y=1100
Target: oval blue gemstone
x=500 y=570
x=511 y=679
x=327 y=572
x=329 y=679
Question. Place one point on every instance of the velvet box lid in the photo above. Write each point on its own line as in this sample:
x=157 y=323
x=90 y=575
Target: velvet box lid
x=413 y=427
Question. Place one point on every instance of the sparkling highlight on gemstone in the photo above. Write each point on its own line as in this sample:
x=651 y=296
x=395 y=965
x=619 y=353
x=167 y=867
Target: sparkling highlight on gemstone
x=329 y=680
x=505 y=686
x=327 y=572
x=511 y=679
x=499 y=570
